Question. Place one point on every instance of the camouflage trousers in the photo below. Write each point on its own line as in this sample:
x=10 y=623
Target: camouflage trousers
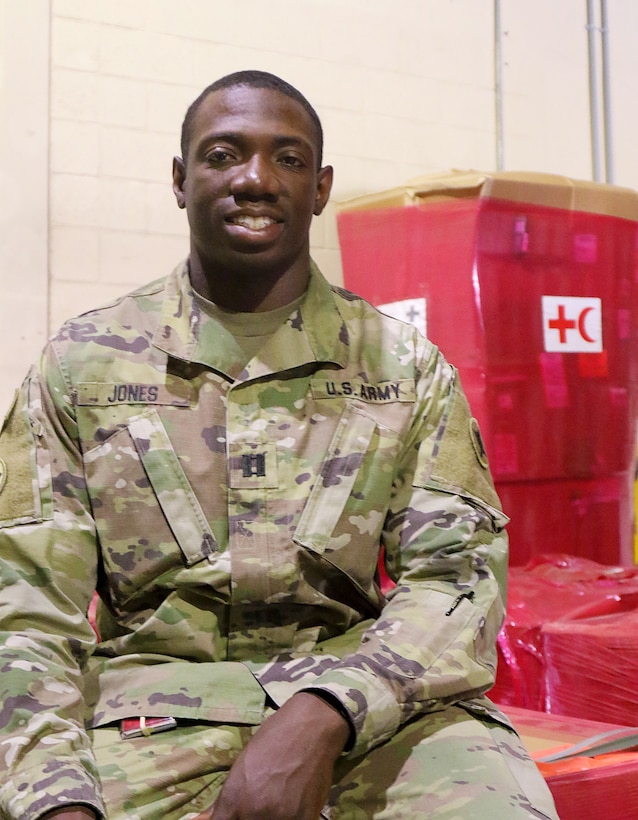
x=449 y=766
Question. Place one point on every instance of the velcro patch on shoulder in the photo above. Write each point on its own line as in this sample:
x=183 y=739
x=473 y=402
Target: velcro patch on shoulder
x=17 y=467
x=458 y=461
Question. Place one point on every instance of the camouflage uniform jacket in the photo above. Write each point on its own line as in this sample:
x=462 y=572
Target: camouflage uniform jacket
x=231 y=517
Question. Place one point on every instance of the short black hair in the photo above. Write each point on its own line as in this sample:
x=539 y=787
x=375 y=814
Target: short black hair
x=254 y=79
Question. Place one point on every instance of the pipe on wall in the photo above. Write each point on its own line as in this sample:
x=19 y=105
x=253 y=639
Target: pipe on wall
x=607 y=126
x=599 y=146
x=593 y=93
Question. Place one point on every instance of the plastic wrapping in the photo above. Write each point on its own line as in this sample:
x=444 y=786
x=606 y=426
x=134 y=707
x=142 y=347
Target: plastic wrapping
x=569 y=644
x=583 y=787
x=528 y=284
x=601 y=789
x=591 y=661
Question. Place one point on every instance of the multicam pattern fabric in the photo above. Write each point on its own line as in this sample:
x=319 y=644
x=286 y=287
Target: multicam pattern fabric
x=230 y=516
x=449 y=765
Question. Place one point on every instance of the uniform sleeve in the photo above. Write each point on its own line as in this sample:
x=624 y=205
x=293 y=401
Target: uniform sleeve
x=47 y=577
x=435 y=641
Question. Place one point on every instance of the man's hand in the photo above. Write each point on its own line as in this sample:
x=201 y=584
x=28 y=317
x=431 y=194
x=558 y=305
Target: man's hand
x=285 y=772
x=71 y=813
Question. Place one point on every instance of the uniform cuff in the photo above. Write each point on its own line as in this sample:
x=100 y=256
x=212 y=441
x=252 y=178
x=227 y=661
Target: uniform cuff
x=336 y=704
x=369 y=706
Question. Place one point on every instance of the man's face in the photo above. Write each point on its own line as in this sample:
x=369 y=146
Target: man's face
x=250 y=184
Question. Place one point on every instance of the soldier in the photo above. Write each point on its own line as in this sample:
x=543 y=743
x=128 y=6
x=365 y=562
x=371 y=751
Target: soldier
x=222 y=455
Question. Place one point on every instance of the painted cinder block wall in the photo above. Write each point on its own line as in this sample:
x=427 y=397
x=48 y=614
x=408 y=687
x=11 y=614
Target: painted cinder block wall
x=92 y=94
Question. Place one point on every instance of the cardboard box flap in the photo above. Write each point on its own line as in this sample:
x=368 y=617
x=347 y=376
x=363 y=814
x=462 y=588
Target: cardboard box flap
x=549 y=190
x=431 y=187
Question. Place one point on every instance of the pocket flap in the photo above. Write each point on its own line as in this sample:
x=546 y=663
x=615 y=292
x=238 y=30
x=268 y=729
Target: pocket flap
x=336 y=479
x=176 y=497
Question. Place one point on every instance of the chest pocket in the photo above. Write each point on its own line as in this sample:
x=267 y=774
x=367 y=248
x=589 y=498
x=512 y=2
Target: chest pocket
x=148 y=517
x=344 y=514
x=179 y=504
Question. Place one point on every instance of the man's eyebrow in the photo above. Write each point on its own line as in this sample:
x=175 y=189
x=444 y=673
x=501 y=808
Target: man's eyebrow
x=220 y=136
x=238 y=138
x=284 y=140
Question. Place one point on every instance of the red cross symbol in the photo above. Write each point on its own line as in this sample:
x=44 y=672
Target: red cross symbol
x=562 y=324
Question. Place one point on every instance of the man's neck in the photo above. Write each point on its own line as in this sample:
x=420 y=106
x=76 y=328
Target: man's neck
x=253 y=293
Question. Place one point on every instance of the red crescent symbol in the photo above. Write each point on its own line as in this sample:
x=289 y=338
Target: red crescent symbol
x=581 y=324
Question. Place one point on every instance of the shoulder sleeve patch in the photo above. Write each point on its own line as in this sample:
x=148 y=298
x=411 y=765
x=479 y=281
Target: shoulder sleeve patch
x=3 y=474
x=457 y=460
x=477 y=442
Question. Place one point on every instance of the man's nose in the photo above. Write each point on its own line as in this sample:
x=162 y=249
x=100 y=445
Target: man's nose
x=256 y=178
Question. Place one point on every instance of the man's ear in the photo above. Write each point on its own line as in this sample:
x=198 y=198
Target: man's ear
x=324 y=186
x=179 y=181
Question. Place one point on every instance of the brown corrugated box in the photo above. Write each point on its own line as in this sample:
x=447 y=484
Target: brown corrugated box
x=551 y=190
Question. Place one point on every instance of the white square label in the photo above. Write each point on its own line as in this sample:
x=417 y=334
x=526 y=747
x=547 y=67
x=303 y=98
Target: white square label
x=572 y=324
x=408 y=310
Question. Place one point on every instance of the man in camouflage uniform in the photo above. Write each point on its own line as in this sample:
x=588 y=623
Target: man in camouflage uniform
x=221 y=455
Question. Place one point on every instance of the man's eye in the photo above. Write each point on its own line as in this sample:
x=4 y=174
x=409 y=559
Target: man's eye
x=293 y=161
x=218 y=157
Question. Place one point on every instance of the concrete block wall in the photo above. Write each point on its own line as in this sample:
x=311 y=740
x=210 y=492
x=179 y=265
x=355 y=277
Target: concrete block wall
x=403 y=89
x=24 y=179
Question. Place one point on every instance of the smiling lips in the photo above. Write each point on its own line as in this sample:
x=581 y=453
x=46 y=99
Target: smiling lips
x=254 y=223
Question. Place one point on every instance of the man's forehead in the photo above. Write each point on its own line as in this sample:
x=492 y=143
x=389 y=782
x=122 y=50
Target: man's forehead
x=245 y=107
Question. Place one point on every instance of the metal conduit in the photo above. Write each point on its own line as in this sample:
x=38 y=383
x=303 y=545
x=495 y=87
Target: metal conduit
x=594 y=112
x=604 y=32
x=593 y=92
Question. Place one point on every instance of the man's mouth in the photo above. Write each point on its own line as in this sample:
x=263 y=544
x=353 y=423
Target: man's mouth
x=254 y=223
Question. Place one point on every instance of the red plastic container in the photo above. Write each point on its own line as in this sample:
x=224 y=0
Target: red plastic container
x=528 y=284
x=584 y=788
x=569 y=643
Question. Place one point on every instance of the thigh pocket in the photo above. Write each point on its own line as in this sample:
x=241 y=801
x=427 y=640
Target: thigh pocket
x=532 y=795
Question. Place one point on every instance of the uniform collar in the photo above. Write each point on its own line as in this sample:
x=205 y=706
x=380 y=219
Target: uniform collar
x=314 y=333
